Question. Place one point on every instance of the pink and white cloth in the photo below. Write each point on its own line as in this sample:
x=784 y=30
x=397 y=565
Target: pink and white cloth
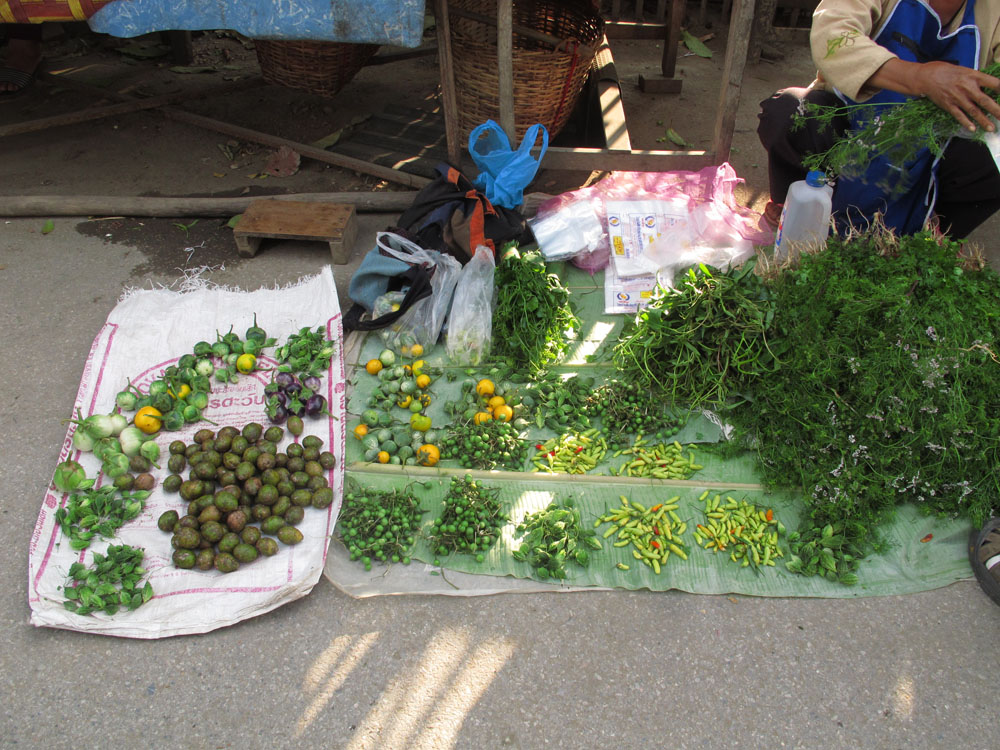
x=147 y=331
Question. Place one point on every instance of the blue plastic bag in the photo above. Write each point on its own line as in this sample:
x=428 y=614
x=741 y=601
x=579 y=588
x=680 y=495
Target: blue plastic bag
x=505 y=173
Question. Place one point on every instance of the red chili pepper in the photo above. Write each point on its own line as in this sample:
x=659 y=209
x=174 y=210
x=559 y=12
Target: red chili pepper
x=654 y=544
x=769 y=515
x=552 y=453
x=579 y=448
x=927 y=538
x=538 y=446
x=656 y=507
x=656 y=529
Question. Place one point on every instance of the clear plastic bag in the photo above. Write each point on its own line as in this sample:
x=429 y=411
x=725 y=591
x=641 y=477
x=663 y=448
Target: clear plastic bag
x=422 y=323
x=470 y=324
x=568 y=231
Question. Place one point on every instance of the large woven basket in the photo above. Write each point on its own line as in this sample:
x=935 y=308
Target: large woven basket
x=321 y=68
x=547 y=80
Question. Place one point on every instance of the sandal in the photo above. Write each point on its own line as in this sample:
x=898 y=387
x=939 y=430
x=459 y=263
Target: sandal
x=984 y=555
x=18 y=78
x=772 y=213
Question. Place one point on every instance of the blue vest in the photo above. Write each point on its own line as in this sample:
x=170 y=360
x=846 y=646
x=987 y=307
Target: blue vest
x=913 y=32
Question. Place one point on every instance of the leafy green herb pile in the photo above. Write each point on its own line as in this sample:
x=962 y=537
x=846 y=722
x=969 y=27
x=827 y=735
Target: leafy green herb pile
x=703 y=341
x=112 y=582
x=532 y=316
x=560 y=403
x=888 y=390
x=305 y=354
x=98 y=512
x=554 y=537
x=898 y=132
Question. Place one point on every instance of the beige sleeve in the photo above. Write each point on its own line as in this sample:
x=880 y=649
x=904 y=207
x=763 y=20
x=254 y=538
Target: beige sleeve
x=988 y=21
x=842 y=48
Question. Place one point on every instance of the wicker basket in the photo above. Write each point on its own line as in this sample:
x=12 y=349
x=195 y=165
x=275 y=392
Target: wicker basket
x=547 y=81
x=321 y=68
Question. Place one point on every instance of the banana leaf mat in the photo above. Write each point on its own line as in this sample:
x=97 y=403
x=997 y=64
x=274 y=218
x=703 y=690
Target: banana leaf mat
x=924 y=552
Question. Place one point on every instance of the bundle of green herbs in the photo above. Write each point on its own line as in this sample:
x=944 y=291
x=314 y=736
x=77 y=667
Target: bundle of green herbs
x=888 y=392
x=703 y=341
x=532 y=317
x=898 y=132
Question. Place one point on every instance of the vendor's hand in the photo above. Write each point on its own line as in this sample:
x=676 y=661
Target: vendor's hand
x=955 y=89
x=959 y=91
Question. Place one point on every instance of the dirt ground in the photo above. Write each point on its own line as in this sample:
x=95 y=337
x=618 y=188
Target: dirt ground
x=207 y=163
x=144 y=154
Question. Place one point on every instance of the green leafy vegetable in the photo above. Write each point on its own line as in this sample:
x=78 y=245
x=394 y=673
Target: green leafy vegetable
x=109 y=584
x=532 y=317
x=306 y=353
x=553 y=538
x=898 y=132
x=886 y=394
x=702 y=342
x=99 y=512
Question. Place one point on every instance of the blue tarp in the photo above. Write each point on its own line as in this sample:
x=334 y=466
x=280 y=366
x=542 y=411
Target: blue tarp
x=395 y=22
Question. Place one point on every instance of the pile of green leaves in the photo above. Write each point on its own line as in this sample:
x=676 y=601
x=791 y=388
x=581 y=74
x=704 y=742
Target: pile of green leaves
x=98 y=512
x=888 y=390
x=554 y=537
x=532 y=317
x=703 y=341
x=110 y=583
x=898 y=132
x=306 y=353
x=560 y=403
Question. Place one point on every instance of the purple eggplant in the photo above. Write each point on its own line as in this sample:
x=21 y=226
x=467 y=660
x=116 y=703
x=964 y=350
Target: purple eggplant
x=311 y=382
x=315 y=405
x=278 y=414
x=284 y=378
x=293 y=389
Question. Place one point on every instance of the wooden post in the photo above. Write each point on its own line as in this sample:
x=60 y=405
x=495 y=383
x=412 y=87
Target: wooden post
x=668 y=63
x=505 y=67
x=762 y=28
x=449 y=102
x=732 y=77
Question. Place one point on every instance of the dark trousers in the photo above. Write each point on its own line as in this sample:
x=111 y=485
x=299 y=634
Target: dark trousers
x=29 y=31
x=968 y=182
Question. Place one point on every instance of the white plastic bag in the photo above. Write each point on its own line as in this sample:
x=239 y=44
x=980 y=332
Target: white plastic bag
x=711 y=241
x=470 y=324
x=568 y=231
x=422 y=323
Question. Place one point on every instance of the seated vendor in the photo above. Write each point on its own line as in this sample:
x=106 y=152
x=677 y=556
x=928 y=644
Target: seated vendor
x=21 y=59
x=887 y=52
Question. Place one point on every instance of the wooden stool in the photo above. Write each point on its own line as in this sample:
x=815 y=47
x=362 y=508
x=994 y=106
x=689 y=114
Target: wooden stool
x=334 y=223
